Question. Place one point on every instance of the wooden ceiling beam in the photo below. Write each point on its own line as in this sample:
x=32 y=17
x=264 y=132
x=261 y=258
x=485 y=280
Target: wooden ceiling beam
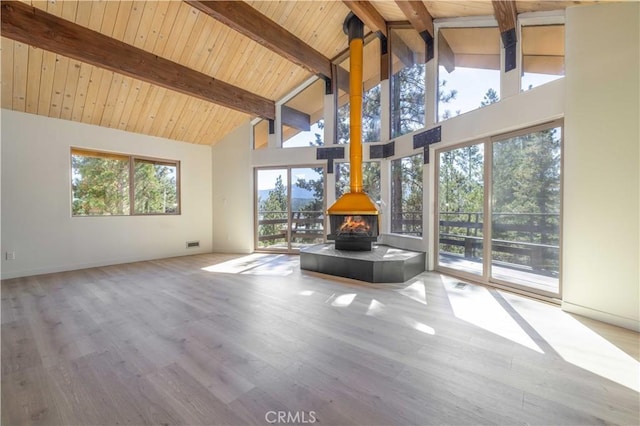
x=37 y=28
x=246 y=20
x=368 y=14
x=505 y=13
x=417 y=13
x=507 y=16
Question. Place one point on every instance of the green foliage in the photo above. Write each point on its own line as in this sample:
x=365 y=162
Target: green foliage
x=370 y=179
x=406 y=195
x=100 y=186
x=407 y=100
x=155 y=189
x=491 y=97
x=273 y=208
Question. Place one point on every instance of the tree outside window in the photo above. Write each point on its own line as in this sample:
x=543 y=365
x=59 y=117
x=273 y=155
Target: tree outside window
x=406 y=195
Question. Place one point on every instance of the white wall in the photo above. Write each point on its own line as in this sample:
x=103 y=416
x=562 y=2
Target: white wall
x=233 y=212
x=36 y=199
x=601 y=220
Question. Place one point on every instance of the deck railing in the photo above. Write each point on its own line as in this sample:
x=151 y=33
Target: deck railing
x=528 y=241
x=306 y=226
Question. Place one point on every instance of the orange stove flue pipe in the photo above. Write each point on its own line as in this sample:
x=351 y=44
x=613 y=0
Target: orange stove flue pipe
x=354 y=28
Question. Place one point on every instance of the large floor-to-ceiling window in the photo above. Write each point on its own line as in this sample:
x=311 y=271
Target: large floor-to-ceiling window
x=289 y=208
x=499 y=209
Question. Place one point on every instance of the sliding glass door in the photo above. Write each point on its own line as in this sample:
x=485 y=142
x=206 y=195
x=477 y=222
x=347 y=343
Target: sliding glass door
x=499 y=210
x=461 y=209
x=525 y=209
x=289 y=208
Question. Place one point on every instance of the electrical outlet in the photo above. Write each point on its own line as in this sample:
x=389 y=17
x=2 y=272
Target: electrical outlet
x=10 y=255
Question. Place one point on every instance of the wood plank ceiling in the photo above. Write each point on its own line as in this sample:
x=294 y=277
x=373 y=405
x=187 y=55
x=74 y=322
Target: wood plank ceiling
x=49 y=84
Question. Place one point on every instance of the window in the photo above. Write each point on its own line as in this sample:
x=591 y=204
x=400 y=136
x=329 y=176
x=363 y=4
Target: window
x=108 y=184
x=407 y=81
x=542 y=54
x=261 y=134
x=406 y=195
x=303 y=117
x=370 y=179
x=468 y=69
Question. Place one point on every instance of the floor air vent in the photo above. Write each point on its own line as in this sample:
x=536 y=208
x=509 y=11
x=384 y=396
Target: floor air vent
x=192 y=244
x=461 y=285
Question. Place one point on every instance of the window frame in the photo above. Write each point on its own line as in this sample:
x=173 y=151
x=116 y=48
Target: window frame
x=131 y=158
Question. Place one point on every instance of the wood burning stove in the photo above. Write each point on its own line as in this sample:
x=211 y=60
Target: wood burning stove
x=354 y=217
x=354 y=232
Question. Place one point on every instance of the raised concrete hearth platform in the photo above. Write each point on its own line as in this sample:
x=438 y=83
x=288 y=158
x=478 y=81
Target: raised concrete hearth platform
x=383 y=264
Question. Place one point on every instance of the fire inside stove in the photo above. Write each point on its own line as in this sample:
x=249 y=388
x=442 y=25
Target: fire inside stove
x=354 y=225
x=353 y=232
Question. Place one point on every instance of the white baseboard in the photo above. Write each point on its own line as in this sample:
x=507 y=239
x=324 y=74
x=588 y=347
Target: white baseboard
x=630 y=323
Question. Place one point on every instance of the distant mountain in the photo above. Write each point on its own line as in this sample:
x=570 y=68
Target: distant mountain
x=298 y=193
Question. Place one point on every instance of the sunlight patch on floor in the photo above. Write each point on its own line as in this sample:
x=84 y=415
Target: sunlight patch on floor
x=256 y=264
x=415 y=291
x=417 y=325
x=375 y=308
x=578 y=344
x=477 y=306
x=343 y=300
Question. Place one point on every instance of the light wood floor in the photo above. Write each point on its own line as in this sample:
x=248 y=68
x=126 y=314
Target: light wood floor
x=220 y=339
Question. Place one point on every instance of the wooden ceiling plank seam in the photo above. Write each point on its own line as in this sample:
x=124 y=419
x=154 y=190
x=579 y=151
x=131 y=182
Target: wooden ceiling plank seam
x=215 y=60
x=183 y=47
x=129 y=104
x=83 y=44
x=20 y=68
x=206 y=39
x=33 y=79
x=202 y=114
x=121 y=21
x=92 y=91
x=70 y=89
x=181 y=116
x=109 y=18
x=187 y=52
x=97 y=14
x=368 y=14
x=101 y=98
x=177 y=111
x=80 y=97
x=176 y=32
x=199 y=134
x=83 y=14
x=41 y=4
x=195 y=132
x=69 y=10
x=155 y=107
x=59 y=82
x=140 y=99
x=7 y=73
x=145 y=24
x=54 y=8
x=141 y=114
x=252 y=24
x=151 y=38
x=135 y=17
x=104 y=85
x=120 y=101
x=186 y=120
x=46 y=82
x=170 y=103
x=170 y=18
x=111 y=100
x=416 y=12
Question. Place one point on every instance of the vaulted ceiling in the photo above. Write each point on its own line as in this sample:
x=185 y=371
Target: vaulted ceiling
x=185 y=70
